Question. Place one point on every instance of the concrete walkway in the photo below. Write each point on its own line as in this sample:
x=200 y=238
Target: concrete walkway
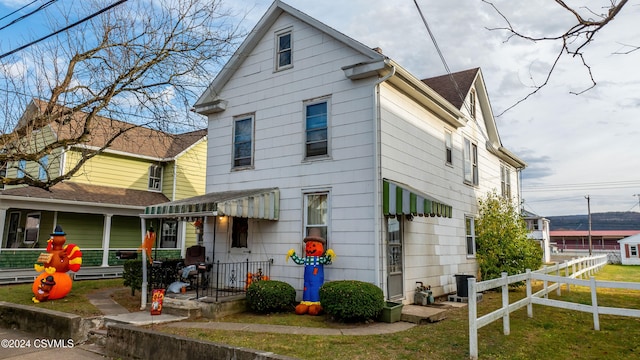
x=412 y=315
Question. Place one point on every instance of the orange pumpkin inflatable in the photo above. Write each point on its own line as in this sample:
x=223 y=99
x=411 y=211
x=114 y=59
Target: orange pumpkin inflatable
x=54 y=282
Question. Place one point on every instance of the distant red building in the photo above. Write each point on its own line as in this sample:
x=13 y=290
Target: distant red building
x=579 y=239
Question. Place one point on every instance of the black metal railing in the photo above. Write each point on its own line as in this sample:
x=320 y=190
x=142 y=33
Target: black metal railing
x=228 y=279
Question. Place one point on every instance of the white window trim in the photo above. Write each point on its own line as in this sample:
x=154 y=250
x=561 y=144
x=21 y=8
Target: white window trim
x=473 y=100
x=253 y=141
x=305 y=225
x=505 y=180
x=473 y=236
x=306 y=103
x=149 y=187
x=276 y=57
x=448 y=136
x=470 y=159
x=239 y=250
x=24 y=235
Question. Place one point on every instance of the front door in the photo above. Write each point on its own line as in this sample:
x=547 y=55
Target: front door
x=12 y=232
x=395 y=278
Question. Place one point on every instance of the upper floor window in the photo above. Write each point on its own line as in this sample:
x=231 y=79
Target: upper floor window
x=470 y=230
x=243 y=141
x=22 y=167
x=472 y=104
x=505 y=180
x=44 y=164
x=448 y=148
x=284 y=54
x=316 y=128
x=155 y=177
x=470 y=162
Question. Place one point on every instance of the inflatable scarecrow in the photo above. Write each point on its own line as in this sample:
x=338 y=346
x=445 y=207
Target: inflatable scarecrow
x=54 y=282
x=314 y=261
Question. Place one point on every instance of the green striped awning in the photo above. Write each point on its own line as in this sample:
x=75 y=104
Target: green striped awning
x=254 y=204
x=399 y=199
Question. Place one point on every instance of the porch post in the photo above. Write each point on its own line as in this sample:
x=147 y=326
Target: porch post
x=106 y=238
x=143 y=291
x=3 y=220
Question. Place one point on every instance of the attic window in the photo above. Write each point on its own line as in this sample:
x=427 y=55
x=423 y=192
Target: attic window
x=284 y=59
x=472 y=104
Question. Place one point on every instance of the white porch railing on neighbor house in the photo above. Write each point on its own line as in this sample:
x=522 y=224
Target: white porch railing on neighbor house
x=573 y=270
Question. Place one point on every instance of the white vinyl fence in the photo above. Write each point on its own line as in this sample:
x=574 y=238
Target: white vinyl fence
x=574 y=270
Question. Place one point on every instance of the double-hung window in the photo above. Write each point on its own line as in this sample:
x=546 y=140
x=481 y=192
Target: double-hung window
x=22 y=167
x=472 y=104
x=239 y=232
x=470 y=165
x=243 y=141
x=448 y=147
x=470 y=230
x=316 y=213
x=284 y=54
x=155 y=177
x=505 y=180
x=44 y=164
x=317 y=128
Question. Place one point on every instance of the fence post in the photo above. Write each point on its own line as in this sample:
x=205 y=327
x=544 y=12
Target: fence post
x=505 y=304
x=566 y=272
x=559 y=282
x=473 y=317
x=545 y=283
x=217 y=278
x=573 y=268
x=594 y=304
x=529 y=305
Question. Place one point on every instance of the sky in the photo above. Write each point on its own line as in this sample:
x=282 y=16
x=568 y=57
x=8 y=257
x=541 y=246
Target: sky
x=575 y=146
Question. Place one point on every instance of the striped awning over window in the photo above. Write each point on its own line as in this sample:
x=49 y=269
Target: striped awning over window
x=399 y=199
x=255 y=204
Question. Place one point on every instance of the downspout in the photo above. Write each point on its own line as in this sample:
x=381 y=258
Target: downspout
x=377 y=203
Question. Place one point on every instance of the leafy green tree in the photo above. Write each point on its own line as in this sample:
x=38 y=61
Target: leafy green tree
x=501 y=238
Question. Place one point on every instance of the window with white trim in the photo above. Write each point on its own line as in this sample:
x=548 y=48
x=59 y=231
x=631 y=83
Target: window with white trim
x=633 y=250
x=448 y=147
x=284 y=47
x=316 y=213
x=44 y=164
x=169 y=234
x=243 y=141
x=470 y=162
x=22 y=167
x=317 y=128
x=469 y=224
x=155 y=177
x=505 y=180
x=472 y=104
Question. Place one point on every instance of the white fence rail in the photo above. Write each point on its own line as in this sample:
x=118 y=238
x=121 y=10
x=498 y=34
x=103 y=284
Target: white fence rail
x=574 y=272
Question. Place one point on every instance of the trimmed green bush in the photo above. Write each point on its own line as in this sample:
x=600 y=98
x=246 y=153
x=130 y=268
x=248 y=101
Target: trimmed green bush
x=351 y=300
x=132 y=275
x=270 y=296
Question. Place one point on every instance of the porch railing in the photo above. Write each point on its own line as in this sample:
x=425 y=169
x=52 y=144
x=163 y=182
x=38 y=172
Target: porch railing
x=228 y=279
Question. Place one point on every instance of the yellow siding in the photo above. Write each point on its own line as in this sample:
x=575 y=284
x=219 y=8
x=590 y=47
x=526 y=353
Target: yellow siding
x=191 y=173
x=36 y=142
x=167 y=180
x=111 y=170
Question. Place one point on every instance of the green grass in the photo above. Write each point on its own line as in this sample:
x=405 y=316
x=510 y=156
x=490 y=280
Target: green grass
x=75 y=302
x=551 y=333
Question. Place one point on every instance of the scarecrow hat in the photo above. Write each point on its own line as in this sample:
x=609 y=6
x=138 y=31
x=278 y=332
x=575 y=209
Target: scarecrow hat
x=58 y=231
x=48 y=281
x=314 y=235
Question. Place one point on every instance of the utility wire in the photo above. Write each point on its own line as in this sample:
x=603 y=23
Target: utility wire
x=63 y=29
x=11 y=13
x=41 y=7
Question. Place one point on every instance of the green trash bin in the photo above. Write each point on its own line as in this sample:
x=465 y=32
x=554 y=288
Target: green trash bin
x=391 y=312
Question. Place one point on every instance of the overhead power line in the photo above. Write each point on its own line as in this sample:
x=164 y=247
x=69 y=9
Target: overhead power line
x=17 y=10
x=63 y=29
x=583 y=186
x=40 y=8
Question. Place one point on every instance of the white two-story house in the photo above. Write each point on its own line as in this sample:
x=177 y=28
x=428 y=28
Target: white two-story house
x=311 y=128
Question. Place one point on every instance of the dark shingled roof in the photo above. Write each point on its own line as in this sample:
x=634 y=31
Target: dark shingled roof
x=70 y=191
x=444 y=86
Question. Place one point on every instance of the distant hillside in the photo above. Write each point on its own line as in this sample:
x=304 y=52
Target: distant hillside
x=599 y=221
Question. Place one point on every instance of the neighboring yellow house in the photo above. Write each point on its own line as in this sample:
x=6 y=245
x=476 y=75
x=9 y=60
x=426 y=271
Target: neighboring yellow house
x=99 y=207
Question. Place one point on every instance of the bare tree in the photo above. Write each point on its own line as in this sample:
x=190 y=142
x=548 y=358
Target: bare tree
x=143 y=62
x=574 y=40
